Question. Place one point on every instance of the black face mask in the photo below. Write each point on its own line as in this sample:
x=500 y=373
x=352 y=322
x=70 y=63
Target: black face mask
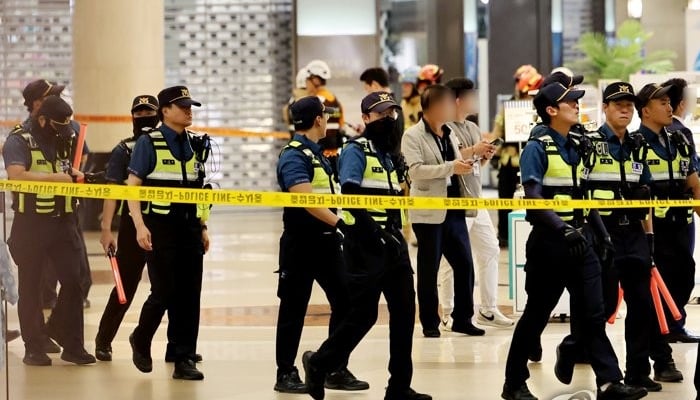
x=144 y=123
x=381 y=133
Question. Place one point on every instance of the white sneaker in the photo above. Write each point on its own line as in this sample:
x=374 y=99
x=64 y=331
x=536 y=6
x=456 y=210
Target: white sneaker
x=493 y=317
x=446 y=324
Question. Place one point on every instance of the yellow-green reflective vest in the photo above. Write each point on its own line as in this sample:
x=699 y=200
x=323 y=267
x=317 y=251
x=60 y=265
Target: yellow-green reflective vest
x=669 y=184
x=322 y=181
x=41 y=204
x=603 y=180
x=376 y=180
x=171 y=172
x=558 y=182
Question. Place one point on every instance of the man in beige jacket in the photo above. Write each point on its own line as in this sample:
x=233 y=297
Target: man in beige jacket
x=437 y=159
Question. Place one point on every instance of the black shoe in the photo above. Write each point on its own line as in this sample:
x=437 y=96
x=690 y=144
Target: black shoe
x=345 y=380
x=12 y=335
x=170 y=358
x=50 y=347
x=644 y=382
x=36 y=359
x=187 y=370
x=667 y=373
x=142 y=361
x=535 y=355
x=619 y=391
x=682 y=336
x=103 y=353
x=406 y=394
x=564 y=367
x=520 y=393
x=468 y=329
x=81 y=357
x=290 y=383
x=431 y=333
x=313 y=377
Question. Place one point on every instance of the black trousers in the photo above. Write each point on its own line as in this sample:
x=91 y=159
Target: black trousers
x=132 y=259
x=175 y=271
x=631 y=270
x=550 y=269
x=35 y=243
x=507 y=182
x=373 y=271
x=304 y=258
x=451 y=239
x=676 y=265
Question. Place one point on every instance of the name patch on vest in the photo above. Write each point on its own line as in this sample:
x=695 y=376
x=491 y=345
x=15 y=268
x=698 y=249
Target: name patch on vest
x=685 y=166
x=168 y=162
x=654 y=162
x=637 y=168
x=377 y=170
x=606 y=161
x=41 y=162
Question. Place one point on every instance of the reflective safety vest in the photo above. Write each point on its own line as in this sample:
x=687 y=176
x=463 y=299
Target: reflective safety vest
x=322 y=180
x=376 y=180
x=669 y=180
x=171 y=172
x=608 y=178
x=559 y=180
x=41 y=204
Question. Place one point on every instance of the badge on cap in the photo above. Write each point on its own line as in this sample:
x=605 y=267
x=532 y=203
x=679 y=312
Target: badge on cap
x=143 y=100
x=185 y=92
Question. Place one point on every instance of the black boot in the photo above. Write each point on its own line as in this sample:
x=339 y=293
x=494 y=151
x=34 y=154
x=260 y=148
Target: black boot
x=314 y=378
x=187 y=370
x=517 y=393
x=619 y=391
x=289 y=382
x=667 y=372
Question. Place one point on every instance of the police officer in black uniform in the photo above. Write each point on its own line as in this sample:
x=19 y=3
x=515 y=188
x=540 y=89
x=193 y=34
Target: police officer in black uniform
x=45 y=230
x=174 y=235
x=310 y=248
x=559 y=254
x=377 y=258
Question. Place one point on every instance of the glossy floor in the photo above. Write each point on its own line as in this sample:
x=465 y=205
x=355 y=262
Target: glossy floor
x=237 y=339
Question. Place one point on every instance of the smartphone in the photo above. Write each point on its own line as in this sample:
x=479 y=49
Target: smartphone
x=497 y=142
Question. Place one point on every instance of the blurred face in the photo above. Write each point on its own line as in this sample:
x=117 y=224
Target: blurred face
x=466 y=104
x=618 y=113
x=566 y=113
x=406 y=90
x=177 y=115
x=658 y=111
x=442 y=111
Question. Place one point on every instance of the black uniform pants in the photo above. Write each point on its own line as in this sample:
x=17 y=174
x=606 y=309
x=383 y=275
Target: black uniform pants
x=131 y=259
x=451 y=238
x=676 y=265
x=508 y=181
x=35 y=243
x=175 y=272
x=304 y=258
x=550 y=269
x=372 y=272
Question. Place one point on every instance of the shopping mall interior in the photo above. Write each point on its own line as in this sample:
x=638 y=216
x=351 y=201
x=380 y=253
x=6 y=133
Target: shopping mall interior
x=247 y=62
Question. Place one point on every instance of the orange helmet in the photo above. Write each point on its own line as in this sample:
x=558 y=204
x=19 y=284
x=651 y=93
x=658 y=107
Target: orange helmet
x=527 y=78
x=431 y=73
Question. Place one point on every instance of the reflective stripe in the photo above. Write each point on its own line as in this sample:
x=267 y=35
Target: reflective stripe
x=557 y=177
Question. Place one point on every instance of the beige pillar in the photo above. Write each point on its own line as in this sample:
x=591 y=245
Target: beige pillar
x=117 y=55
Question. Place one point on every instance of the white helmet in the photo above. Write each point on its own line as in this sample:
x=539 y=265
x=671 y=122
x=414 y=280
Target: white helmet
x=302 y=75
x=319 y=68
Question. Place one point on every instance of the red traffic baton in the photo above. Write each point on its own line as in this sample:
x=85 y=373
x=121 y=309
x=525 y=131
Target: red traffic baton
x=660 y=315
x=80 y=145
x=663 y=289
x=117 y=276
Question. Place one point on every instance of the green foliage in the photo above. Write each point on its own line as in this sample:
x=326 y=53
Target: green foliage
x=622 y=57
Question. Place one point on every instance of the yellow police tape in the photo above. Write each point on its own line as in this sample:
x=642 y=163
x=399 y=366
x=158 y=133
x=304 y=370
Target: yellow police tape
x=279 y=199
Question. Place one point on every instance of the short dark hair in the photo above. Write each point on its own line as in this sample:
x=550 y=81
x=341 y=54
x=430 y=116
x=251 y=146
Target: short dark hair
x=541 y=103
x=460 y=86
x=378 y=75
x=676 y=94
x=434 y=94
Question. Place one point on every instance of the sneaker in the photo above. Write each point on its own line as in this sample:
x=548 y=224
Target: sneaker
x=290 y=383
x=619 y=391
x=493 y=317
x=644 y=382
x=103 y=352
x=406 y=394
x=345 y=380
x=314 y=378
x=187 y=371
x=80 y=357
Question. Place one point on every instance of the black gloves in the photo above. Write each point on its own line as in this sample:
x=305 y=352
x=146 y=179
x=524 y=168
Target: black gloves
x=97 y=177
x=607 y=250
x=342 y=226
x=575 y=241
x=650 y=241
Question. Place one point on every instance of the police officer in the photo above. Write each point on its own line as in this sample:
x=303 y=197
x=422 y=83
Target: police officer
x=674 y=177
x=614 y=167
x=376 y=256
x=310 y=248
x=45 y=229
x=174 y=235
x=560 y=237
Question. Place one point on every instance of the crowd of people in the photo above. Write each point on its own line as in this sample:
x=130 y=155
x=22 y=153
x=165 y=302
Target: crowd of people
x=423 y=143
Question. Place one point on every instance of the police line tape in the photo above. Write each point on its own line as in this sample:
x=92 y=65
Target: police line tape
x=242 y=198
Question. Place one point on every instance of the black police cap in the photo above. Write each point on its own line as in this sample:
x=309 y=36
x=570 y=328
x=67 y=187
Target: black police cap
x=39 y=89
x=564 y=79
x=618 y=91
x=305 y=110
x=378 y=102
x=556 y=93
x=650 y=92
x=179 y=95
x=57 y=112
x=144 y=101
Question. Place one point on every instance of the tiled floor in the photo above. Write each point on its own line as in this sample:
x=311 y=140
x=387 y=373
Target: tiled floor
x=237 y=339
